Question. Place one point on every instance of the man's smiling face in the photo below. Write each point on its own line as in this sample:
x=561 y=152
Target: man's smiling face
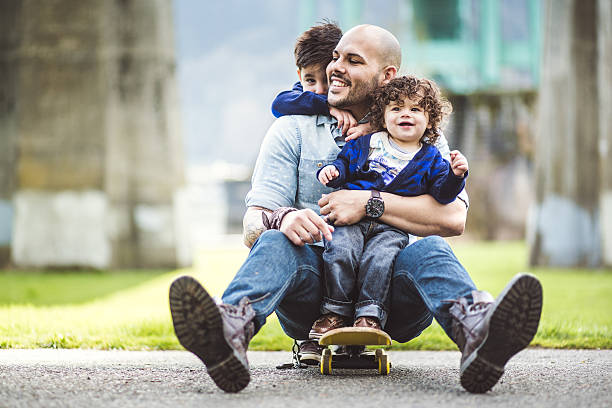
x=354 y=72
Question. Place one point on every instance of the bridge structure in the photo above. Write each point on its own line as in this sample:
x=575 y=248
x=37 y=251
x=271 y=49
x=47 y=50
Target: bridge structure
x=90 y=150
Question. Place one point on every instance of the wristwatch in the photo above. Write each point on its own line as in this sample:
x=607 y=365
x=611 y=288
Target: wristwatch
x=375 y=205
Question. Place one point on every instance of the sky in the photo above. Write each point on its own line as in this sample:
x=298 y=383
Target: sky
x=233 y=58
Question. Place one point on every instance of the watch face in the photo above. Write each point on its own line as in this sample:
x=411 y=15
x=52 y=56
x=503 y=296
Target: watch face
x=375 y=208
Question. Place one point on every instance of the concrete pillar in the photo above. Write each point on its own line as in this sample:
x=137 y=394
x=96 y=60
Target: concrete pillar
x=9 y=43
x=571 y=210
x=604 y=73
x=95 y=128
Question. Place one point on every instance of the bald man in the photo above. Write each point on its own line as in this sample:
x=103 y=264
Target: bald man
x=284 y=225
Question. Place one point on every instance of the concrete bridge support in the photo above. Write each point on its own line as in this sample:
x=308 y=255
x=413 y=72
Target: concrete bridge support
x=571 y=223
x=90 y=149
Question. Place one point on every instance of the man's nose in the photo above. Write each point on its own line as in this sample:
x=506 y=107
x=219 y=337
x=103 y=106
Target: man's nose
x=321 y=88
x=337 y=66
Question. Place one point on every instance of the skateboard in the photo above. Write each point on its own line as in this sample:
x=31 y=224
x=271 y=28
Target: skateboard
x=353 y=341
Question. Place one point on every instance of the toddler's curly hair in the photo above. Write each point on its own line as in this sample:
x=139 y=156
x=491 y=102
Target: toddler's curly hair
x=424 y=91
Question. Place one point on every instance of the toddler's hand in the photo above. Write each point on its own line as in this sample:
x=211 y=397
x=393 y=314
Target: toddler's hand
x=459 y=163
x=328 y=173
x=345 y=119
x=358 y=131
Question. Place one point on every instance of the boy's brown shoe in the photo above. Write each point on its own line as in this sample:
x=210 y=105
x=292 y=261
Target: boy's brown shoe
x=366 y=321
x=218 y=334
x=489 y=332
x=325 y=323
x=310 y=352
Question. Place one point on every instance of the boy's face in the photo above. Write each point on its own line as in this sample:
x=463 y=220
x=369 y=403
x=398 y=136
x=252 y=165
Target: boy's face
x=405 y=120
x=313 y=79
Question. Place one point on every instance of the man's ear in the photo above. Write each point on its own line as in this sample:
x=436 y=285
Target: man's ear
x=389 y=73
x=299 y=71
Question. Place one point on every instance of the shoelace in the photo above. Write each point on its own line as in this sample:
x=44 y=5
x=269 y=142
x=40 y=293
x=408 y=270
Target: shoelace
x=465 y=307
x=240 y=309
x=333 y=320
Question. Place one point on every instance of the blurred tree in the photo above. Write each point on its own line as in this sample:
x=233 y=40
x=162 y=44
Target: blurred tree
x=572 y=219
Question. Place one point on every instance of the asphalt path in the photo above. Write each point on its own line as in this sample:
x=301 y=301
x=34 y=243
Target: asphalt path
x=88 y=378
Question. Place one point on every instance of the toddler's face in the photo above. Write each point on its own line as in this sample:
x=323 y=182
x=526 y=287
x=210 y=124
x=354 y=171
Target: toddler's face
x=313 y=79
x=405 y=120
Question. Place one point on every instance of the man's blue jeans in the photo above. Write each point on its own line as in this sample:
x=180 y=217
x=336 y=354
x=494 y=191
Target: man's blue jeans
x=425 y=274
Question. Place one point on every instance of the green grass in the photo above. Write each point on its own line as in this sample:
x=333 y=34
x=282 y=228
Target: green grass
x=129 y=310
x=61 y=288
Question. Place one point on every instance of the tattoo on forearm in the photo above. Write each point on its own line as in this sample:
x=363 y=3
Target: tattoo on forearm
x=253 y=227
x=251 y=233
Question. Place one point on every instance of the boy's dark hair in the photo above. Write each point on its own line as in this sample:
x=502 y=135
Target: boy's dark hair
x=316 y=45
x=424 y=91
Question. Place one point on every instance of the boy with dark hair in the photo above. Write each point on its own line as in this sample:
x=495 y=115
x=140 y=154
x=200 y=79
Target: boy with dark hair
x=313 y=52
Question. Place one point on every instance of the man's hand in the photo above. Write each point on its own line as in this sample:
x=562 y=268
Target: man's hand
x=328 y=173
x=345 y=119
x=459 y=163
x=344 y=207
x=358 y=131
x=305 y=227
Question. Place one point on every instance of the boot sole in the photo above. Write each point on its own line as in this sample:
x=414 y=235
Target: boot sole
x=199 y=328
x=513 y=324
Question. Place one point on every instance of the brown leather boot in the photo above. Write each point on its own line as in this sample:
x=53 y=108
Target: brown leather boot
x=218 y=334
x=367 y=321
x=489 y=332
x=325 y=323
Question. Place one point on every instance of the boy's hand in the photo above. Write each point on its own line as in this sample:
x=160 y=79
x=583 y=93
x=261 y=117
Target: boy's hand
x=345 y=118
x=459 y=163
x=358 y=131
x=328 y=173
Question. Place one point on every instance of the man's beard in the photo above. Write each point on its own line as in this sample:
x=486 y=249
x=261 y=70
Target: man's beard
x=361 y=92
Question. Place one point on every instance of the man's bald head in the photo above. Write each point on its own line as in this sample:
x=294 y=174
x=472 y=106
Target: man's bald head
x=366 y=57
x=386 y=46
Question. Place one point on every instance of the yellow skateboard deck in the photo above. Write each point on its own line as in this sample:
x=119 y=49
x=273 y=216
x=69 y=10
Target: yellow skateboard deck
x=355 y=336
x=353 y=354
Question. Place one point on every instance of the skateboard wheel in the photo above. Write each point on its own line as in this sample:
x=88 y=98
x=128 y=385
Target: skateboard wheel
x=326 y=362
x=383 y=364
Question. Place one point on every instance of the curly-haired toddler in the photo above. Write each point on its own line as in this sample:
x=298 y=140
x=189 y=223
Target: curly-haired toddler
x=400 y=158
